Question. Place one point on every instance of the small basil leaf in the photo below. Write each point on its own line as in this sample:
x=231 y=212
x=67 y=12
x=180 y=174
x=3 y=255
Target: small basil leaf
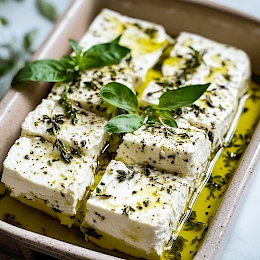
x=173 y=99
x=75 y=46
x=29 y=39
x=43 y=71
x=47 y=10
x=125 y=123
x=119 y=96
x=68 y=61
x=168 y=119
x=117 y=39
x=102 y=55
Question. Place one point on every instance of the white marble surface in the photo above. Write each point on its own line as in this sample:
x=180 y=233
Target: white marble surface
x=244 y=240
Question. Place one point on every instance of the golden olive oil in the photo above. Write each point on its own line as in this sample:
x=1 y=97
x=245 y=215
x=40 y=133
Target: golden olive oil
x=193 y=232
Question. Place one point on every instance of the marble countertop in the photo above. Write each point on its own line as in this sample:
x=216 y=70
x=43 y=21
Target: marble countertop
x=244 y=236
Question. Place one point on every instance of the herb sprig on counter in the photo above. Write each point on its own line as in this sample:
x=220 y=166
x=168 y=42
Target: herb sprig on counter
x=122 y=97
x=68 y=67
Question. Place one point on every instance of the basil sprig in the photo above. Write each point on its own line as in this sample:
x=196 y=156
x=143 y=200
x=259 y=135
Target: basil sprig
x=119 y=96
x=125 y=123
x=68 y=67
x=174 y=99
x=122 y=97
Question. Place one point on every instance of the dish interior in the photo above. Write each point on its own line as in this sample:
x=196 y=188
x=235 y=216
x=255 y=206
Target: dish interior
x=194 y=231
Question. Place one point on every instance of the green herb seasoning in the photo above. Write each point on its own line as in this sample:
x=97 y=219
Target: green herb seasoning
x=122 y=97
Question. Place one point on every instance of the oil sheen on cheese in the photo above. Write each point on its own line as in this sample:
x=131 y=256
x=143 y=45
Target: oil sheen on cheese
x=205 y=207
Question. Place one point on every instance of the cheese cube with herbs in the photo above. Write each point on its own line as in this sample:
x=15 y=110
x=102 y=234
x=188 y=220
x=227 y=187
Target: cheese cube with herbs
x=85 y=135
x=197 y=60
x=202 y=60
x=135 y=209
x=85 y=93
x=213 y=111
x=184 y=150
x=37 y=175
x=145 y=39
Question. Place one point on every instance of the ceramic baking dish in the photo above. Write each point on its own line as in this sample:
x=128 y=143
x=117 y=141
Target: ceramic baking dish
x=201 y=17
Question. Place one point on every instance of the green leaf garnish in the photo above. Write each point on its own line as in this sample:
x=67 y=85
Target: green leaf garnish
x=103 y=55
x=43 y=70
x=125 y=123
x=68 y=67
x=116 y=40
x=168 y=119
x=75 y=46
x=47 y=10
x=119 y=96
x=174 y=99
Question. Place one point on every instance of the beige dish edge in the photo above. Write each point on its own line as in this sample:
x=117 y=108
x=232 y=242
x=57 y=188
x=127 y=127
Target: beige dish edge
x=224 y=25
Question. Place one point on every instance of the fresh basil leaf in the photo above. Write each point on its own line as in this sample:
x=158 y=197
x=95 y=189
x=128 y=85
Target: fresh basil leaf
x=68 y=61
x=47 y=10
x=102 y=55
x=168 y=119
x=174 y=99
x=3 y=21
x=69 y=66
x=117 y=39
x=75 y=46
x=29 y=39
x=43 y=71
x=119 y=96
x=125 y=123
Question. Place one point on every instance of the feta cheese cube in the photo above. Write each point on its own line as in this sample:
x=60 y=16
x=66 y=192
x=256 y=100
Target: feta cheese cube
x=36 y=174
x=145 y=39
x=135 y=209
x=86 y=93
x=225 y=67
x=213 y=111
x=222 y=65
x=186 y=151
x=87 y=135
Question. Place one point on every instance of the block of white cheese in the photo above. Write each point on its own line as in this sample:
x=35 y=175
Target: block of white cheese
x=185 y=151
x=221 y=65
x=86 y=93
x=135 y=209
x=197 y=60
x=49 y=121
x=213 y=111
x=37 y=175
x=145 y=39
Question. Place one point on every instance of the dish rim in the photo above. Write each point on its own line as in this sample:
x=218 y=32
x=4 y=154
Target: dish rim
x=226 y=209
